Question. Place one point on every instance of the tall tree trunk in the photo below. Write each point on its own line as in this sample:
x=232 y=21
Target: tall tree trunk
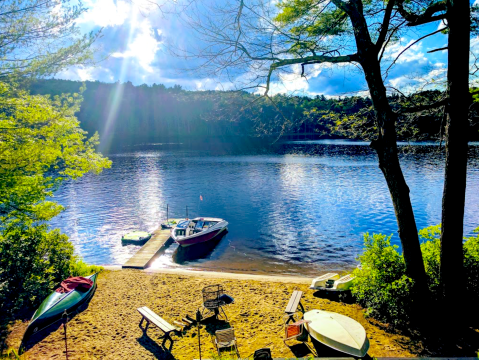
x=386 y=148
x=453 y=199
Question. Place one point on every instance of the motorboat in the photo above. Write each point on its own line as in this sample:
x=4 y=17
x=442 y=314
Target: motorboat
x=337 y=331
x=198 y=230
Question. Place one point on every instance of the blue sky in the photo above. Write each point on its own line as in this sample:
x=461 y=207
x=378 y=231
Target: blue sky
x=135 y=44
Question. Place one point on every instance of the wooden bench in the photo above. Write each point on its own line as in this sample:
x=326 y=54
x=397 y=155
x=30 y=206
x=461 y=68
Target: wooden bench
x=293 y=303
x=150 y=317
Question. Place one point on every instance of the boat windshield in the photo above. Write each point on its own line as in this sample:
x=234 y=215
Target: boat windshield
x=199 y=224
x=183 y=224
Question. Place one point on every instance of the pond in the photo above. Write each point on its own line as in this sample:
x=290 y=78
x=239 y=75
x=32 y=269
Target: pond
x=299 y=208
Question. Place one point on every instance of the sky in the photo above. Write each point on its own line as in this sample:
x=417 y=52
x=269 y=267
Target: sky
x=135 y=47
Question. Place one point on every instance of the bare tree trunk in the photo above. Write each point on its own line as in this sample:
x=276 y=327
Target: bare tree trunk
x=386 y=148
x=453 y=199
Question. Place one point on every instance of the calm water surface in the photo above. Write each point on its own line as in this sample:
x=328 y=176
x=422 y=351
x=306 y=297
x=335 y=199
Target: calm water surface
x=301 y=209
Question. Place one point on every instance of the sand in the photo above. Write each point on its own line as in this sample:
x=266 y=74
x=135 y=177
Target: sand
x=108 y=328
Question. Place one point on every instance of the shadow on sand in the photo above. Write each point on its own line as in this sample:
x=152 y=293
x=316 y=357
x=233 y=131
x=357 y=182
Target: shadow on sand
x=152 y=346
x=30 y=341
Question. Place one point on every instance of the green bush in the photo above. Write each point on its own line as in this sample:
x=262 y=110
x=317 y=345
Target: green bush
x=381 y=284
x=431 y=254
x=471 y=266
x=80 y=268
x=34 y=261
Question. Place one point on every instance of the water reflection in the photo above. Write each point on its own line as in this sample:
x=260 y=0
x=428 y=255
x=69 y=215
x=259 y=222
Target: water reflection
x=298 y=210
x=184 y=255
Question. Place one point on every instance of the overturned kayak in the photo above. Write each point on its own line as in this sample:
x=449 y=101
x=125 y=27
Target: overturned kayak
x=338 y=332
x=65 y=298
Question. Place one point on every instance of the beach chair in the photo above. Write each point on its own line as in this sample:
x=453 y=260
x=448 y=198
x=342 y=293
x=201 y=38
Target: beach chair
x=344 y=283
x=296 y=331
x=226 y=339
x=212 y=299
x=320 y=282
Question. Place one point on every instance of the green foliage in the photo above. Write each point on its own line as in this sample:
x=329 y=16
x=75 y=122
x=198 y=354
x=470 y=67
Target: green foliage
x=41 y=145
x=381 y=284
x=34 y=261
x=39 y=38
x=431 y=254
x=80 y=268
x=149 y=114
x=471 y=266
x=308 y=22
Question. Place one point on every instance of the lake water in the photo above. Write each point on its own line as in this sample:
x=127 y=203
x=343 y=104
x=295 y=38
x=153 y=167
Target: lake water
x=298 y=209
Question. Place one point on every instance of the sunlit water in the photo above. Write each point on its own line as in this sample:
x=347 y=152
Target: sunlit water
x=301 y=209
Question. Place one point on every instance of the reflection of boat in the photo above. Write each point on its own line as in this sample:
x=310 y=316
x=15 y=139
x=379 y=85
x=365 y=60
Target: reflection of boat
x=136 y=237
x=195 y=252
x=198 y=230
x=53 y=307
x=338 y=332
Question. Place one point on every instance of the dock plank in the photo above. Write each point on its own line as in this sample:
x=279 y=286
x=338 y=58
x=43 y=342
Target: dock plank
x=143 y=258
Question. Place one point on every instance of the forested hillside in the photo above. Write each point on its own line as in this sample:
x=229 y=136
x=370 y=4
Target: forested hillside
x=124 y=114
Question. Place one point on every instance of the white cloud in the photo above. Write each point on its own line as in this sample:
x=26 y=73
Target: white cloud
x=85 y=73
x=143 y=46
x=413 y=53
x=434 y=79
x=106 y=12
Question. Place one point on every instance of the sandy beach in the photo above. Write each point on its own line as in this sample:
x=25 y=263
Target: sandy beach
x=108 y=328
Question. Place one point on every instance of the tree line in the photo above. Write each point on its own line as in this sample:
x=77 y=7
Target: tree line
x=147 y=114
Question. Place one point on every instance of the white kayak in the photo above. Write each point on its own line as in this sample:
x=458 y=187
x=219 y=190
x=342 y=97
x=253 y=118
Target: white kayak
x=338 y=332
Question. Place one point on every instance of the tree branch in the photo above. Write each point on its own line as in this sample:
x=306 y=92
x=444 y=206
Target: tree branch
x=413 y=43
x=385 y=25
x=308 y=60
x=421 y=108
x=443 y=48
x=426 y=17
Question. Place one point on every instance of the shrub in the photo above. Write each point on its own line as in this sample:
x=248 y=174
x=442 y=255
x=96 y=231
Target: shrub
x=34 y=261
x=471 y=266
x=80 y=268
x=431 y=254
x=381 y=284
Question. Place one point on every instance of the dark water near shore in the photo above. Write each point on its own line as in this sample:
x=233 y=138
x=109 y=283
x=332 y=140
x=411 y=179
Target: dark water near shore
x=298 y=209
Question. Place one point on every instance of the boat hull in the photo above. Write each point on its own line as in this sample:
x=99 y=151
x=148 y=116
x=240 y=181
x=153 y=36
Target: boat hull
x=201 y=237
x=338 y=332
x=53 y=307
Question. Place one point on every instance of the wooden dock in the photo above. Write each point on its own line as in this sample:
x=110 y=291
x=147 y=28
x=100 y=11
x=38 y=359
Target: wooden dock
x=159 y=241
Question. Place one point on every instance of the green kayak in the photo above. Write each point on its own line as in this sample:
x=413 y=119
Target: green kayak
x=52 y=308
